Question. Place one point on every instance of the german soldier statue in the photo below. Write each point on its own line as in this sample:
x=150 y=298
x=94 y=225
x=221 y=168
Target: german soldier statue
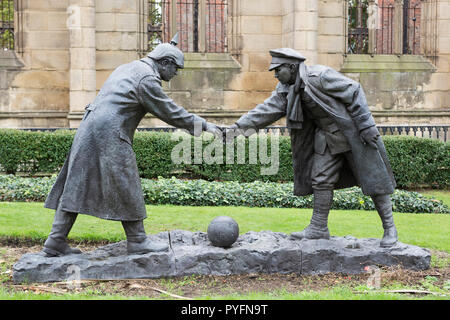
x=100 y=175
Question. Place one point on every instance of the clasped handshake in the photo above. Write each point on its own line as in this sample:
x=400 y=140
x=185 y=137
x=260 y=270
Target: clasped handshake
x=227 y=134
x=369 y=136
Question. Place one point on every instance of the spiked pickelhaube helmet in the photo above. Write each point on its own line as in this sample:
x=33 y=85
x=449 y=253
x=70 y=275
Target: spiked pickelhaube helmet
x=169 y=50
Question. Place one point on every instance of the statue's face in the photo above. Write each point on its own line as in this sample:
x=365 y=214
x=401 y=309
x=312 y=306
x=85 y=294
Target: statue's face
x=285 y=74
x=167 y=69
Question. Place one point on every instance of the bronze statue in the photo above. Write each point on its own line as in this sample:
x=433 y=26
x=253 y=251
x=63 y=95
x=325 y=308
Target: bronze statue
x=335 y=143
x=100 y=175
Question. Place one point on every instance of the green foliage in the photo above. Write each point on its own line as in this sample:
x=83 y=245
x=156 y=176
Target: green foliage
x=270 y=194
x=419 y=162
x=33 y=152
x=7 y=10
x=416 y=162
x=25 y=189
x=155 y=20
x=7 y=17
x=357 y=19
x=153 y=150
x=443 y=195
x=228 y=193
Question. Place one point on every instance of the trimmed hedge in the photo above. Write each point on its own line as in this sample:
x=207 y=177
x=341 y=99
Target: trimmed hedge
x=229 y=193
x=416 y=162
x=419 y=161
x=33 y=152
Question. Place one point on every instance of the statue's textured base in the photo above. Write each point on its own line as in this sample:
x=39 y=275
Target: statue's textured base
x=191 y=253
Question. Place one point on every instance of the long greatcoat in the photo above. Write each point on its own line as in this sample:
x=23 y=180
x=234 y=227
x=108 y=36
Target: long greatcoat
x=100 y=175
x=344 y=101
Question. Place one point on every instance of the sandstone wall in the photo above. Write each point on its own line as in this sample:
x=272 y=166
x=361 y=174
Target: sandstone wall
x=35 y=87
x=221 y=87
x=58 y=67
x=409 y=89
x=258 y=29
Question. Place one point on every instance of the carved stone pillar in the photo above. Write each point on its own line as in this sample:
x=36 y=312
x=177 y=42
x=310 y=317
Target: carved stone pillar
x=173 y=19
x=234 y=29
x=202 y=26
x=305 y=29
x=372 y=24
x=81 y=25
x=398 y=27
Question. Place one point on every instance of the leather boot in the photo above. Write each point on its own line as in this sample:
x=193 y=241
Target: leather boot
x=318 y=227
x=384 y=207
x=56 y=243
x=137 y=240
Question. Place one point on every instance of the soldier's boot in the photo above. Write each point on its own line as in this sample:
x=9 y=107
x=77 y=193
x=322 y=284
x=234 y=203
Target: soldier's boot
x=318 y=227
x=137 y=240
x=384 y=207
x=56 y=243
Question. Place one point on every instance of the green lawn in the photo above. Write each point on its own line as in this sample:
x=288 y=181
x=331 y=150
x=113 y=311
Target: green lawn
x=20 y=220
x=336 y=293
x=31 y=221
x=7 y=295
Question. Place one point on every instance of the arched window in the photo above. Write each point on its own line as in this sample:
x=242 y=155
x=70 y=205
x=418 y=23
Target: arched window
x=7 y=24
x=201 y=24
x=358 y=32
x=387 y=26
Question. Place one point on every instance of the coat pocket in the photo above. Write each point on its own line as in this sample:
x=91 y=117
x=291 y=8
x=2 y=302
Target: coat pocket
x=125 y=138
x=320 y=142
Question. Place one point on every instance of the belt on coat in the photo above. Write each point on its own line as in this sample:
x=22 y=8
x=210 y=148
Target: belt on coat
x=90 y=107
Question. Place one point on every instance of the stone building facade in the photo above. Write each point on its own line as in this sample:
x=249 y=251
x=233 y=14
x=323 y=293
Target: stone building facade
x=64 y=50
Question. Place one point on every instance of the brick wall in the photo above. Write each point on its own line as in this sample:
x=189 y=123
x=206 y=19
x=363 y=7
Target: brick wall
x=385 y=32
x=216 y=26
x=188 y=19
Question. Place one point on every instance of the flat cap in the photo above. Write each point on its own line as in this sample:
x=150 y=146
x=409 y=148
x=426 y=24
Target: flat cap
x=284 y=55
x=167 y=50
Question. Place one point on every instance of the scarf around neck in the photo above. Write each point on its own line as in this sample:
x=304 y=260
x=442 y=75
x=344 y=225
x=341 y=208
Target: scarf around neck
x=294 y=112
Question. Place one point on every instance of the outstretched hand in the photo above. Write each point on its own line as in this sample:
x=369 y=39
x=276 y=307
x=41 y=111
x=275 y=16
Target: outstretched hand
x=370 y=136
x=214 y=129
